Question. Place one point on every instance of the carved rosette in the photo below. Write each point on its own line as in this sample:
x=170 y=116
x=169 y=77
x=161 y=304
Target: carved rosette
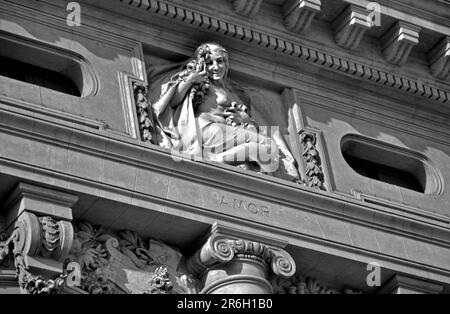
x=313 y=165
x=144 y=115
x=220 y=254
x=35 y=243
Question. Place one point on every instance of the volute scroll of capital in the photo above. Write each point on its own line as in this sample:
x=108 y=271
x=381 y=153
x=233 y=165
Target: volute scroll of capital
x=220 y=249
x=38 y=246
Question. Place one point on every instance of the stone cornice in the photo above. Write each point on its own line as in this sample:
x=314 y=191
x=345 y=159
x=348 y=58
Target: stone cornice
x=298 y=15
x=293 y=49
x=247 y=7
x=350 y=26
x=399 y=41
x=440 y=59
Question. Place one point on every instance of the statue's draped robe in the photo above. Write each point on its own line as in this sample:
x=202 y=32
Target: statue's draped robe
x=207 y=135
x=177 y=127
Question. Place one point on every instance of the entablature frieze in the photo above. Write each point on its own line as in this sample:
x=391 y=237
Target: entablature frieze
x=232 y=200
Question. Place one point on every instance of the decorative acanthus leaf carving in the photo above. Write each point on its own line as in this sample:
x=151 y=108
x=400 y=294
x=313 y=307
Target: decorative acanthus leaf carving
x=144 y=114
x=121 y=262
x=313 y=170
x=301 y=285
x=220 y=249
x=50 y=235
x=36 y=284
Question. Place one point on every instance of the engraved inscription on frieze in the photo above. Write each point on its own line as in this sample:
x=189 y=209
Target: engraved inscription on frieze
x=244 y=206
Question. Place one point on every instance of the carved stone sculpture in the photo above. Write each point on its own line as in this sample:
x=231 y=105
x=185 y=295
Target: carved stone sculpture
x=121 y=263
x=144 y=115
x=200 y=114
x=313 y=169
x=35 y=242
x=300 y=285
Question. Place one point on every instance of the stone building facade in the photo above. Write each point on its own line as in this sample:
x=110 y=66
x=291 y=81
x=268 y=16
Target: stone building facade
x=92 y=200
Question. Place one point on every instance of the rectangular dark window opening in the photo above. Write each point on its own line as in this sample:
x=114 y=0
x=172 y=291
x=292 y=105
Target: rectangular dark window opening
x=38 y=76
x=383 y=173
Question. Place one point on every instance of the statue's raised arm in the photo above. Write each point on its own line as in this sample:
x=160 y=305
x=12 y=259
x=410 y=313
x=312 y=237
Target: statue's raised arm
x=198 y=114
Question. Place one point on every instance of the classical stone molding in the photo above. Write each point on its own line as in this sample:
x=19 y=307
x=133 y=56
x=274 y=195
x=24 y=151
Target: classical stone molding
x=301 y=285
x=350 y=26
x=439 y=58
x=144 y=116
x=312 y=55
x=298 y=14
x=313 y=165
x=247 y=7
x=398 y=42
x=38 y=246
x=400 y=284
x=38 y=200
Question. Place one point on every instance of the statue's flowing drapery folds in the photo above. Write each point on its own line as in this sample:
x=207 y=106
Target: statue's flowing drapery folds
x=211 y=121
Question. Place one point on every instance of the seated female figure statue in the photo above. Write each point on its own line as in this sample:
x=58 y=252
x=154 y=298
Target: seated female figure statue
x=198 y=114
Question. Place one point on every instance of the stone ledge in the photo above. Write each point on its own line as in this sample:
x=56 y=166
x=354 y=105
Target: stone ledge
x=136 y=154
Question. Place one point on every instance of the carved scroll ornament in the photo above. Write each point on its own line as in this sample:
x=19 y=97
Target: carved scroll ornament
x=37 y=239
x=219 y=249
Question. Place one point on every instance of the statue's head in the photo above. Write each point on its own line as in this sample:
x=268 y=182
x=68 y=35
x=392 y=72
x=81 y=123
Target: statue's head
x=216 y=61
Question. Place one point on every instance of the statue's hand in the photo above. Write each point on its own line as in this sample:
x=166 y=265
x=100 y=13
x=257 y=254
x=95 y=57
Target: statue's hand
x=197 y=76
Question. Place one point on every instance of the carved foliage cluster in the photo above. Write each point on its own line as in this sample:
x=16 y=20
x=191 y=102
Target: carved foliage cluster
x=50 y=235
x=219 y=249
x=105 y=257
x=144 y=114
x=301 y=285
x=160 y=282
x=36 y=284
x=313 y=170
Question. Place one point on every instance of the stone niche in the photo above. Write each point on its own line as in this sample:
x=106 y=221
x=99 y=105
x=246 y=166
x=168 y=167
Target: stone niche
x=270 y=109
